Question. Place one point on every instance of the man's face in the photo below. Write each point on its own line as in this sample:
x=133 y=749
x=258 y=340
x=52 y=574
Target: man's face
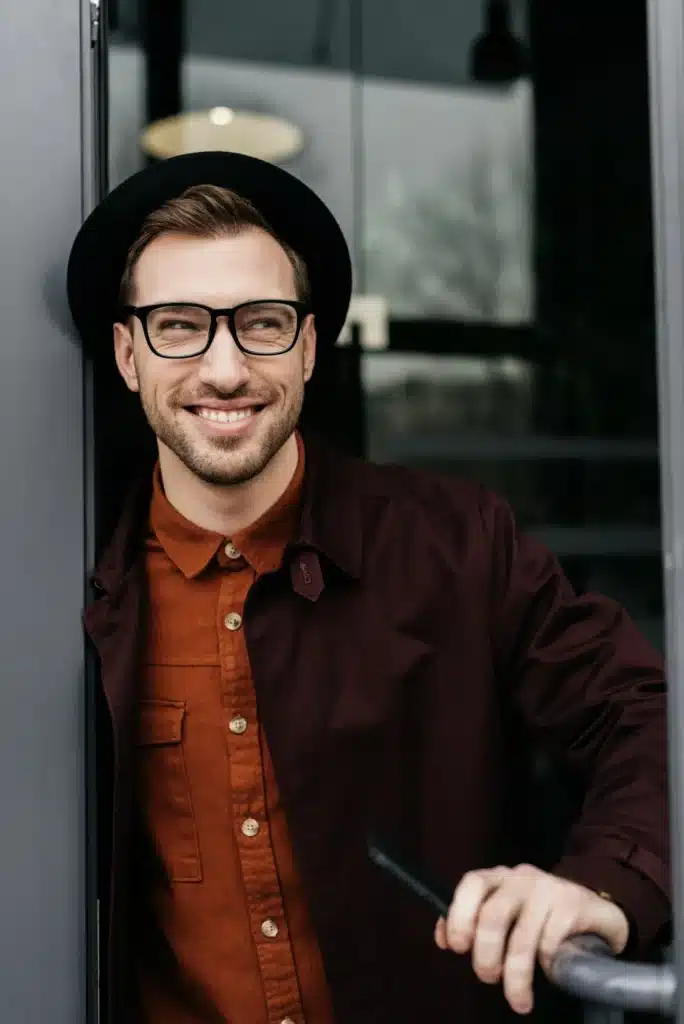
x=176 y=394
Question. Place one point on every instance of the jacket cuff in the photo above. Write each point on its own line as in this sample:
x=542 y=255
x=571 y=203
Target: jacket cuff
x=646 y=906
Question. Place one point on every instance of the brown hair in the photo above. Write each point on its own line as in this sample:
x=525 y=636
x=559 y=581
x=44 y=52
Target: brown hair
x=206 y=211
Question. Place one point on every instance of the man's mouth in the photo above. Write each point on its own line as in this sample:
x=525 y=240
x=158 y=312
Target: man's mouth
x=222 y=416
x=231 y=417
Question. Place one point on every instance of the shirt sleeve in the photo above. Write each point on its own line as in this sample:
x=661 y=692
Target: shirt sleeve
x=592 y=691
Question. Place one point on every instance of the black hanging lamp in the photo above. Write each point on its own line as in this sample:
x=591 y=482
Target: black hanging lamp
x=498 y=57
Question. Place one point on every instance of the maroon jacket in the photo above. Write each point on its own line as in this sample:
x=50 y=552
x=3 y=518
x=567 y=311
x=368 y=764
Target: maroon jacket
x=412 y=645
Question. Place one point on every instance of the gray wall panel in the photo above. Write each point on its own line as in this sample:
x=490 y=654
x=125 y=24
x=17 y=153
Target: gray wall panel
x=42 y=975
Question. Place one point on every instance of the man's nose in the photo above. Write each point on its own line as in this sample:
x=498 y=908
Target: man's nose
x=223 y=364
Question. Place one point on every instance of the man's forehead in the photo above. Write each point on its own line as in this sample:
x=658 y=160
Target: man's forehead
x=205 y=263
x=243 y=240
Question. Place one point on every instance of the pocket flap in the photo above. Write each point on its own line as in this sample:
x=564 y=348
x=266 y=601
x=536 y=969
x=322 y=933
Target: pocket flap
x=161 y=722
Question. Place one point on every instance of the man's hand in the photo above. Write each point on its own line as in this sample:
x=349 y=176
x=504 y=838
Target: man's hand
x=510 y=917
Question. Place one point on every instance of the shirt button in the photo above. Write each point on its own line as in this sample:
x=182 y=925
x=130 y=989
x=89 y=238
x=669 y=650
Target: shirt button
x=238 y=725
x=269 y=928
x=233 y=621
x=232 y=551
x=250 y=826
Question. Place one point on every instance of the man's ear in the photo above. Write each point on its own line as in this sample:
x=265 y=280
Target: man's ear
x=123 y=354
x=310 y=340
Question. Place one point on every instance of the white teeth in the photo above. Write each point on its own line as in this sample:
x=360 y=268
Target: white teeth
x=218 y=416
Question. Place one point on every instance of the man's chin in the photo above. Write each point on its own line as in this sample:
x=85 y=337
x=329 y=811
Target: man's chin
x=233 y=463
x=226 y=461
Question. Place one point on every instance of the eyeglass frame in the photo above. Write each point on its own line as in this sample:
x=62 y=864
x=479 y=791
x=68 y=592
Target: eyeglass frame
x=141 y=313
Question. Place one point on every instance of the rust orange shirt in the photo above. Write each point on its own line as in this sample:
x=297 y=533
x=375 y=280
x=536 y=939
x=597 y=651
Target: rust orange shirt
x=234 y=914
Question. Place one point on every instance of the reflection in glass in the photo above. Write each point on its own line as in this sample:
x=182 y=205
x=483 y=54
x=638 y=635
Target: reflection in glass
x=500 y=235
x=448 y=201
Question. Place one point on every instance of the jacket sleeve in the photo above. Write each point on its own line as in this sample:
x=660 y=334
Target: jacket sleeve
x=592 y=691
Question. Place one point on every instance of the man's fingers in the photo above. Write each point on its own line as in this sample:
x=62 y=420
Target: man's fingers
x=465 y=907
x=495 y=920
x=521 y=955
x=512 y=917
x=560 y=926
x=440 y=934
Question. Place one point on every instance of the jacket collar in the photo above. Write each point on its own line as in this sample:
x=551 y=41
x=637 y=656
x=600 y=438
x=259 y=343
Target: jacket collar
x=330 y=523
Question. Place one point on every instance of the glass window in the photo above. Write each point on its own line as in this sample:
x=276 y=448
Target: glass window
x=496 y=197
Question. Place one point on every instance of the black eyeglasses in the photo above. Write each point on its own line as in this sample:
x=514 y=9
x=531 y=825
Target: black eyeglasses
x=184 y=330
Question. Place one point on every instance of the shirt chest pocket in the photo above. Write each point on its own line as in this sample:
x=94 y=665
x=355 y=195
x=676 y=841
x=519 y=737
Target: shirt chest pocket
x=165 y=789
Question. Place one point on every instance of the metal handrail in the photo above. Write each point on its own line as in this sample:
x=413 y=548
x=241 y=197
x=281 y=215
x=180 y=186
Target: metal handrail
x=585 y=967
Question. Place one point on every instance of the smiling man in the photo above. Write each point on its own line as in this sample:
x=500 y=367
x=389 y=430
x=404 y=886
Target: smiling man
x=222 y=386
x=298 y=650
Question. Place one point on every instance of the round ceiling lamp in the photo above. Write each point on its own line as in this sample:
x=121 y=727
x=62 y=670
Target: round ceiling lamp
x=236 y=131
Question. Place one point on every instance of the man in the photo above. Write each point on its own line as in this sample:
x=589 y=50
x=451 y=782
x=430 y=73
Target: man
x=298 y=650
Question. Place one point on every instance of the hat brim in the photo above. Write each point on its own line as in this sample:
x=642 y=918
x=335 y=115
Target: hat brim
x=295 y=213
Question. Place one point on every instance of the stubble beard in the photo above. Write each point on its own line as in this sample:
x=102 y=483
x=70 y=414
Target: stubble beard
x=225 y=461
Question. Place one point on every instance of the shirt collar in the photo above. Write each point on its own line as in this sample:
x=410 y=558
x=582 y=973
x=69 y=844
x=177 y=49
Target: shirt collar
x=331 y=524
x=191 y=548
x=263 y=543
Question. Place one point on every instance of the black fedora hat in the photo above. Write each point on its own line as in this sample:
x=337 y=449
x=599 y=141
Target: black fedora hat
x=295 y=213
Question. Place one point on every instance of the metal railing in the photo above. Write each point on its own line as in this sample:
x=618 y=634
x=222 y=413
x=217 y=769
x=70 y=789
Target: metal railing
x=586 y=968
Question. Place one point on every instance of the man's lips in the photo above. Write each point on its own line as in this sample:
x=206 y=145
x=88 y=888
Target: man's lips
x=226 y=405
x=225 y=416
x=226 y=412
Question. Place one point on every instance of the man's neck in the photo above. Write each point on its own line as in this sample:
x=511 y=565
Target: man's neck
x=227 y=509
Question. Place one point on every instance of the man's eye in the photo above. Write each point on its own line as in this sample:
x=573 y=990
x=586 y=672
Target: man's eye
x=263 y=323
x=181 y=325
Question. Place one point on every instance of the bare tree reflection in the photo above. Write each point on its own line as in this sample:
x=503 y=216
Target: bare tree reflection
x=461 y=248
